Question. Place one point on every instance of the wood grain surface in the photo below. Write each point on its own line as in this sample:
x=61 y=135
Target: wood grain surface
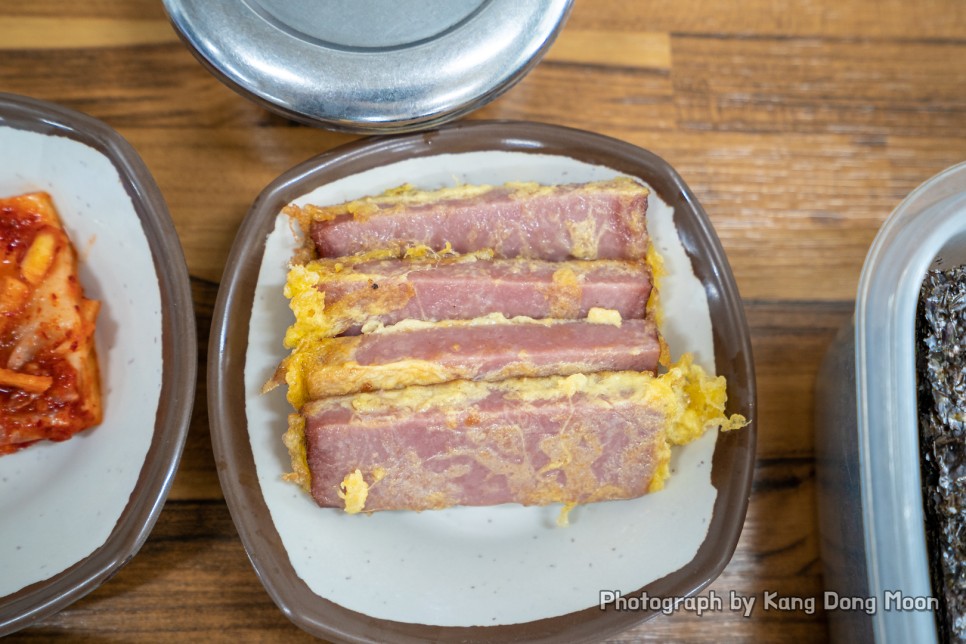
x=800 y=126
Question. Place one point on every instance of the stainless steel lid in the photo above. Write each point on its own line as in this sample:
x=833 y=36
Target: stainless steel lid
x=369 y=65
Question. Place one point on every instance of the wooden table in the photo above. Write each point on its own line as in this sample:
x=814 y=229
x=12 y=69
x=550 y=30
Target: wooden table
x=799 y=126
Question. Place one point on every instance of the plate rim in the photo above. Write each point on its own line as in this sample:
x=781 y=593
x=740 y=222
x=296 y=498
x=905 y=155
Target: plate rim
x=41 y=599
x=734 y=451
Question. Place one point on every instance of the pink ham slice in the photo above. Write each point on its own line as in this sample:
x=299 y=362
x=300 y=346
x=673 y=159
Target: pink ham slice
x=388 y=291
x=481 y=351
x=600 y=220
x=528 y=441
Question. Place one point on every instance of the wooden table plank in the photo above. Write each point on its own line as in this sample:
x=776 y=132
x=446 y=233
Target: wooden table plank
x=32 y=32
x=160 y=84
x=764 y=85
x=129 y=9
x=813 y=85
x=197 y=477
x=608 y=49
x=885 y=19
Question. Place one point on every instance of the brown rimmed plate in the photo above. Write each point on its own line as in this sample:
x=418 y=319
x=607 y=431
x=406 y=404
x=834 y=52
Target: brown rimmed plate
x=469 y=574
x=75 y=512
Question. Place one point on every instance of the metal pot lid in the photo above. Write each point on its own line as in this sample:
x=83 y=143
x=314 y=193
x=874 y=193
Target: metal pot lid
x=369 y=65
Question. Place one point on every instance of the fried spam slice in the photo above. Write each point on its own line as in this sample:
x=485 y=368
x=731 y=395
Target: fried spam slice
x=597 y=220
x=489 y=348
x=343 y=295
x=534 y=441
x=49 y=380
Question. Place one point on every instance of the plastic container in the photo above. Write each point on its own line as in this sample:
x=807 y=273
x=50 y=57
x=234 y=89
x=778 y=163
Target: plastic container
x=867 y=434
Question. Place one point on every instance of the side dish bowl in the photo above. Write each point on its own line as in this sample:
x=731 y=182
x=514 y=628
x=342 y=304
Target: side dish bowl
x=870 y=498
x=506 y=573
x=74 y=512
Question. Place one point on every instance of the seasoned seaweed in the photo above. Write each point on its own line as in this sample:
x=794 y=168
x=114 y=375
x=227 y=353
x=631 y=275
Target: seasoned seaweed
x=941 y=367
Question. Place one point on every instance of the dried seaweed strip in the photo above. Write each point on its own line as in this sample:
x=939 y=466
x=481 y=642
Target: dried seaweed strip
x=941 y=367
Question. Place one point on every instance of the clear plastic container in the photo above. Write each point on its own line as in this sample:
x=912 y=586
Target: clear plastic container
x=867 y=436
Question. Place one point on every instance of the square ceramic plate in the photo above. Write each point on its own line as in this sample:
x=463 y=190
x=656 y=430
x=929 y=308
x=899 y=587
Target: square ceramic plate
x=76 y=511
x=476 y=574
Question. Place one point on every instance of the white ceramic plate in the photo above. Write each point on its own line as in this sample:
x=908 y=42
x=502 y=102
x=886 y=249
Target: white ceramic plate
x=480 y=574
x=476 y=566
x=62 y=502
